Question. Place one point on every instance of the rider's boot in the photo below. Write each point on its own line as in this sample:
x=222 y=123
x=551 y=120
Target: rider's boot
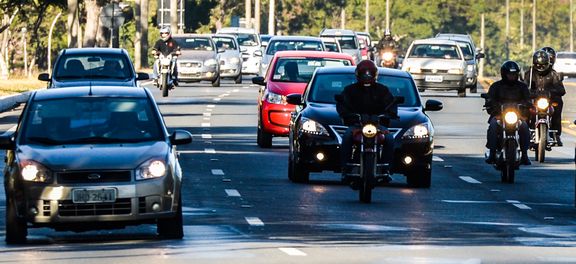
x=524 y=159
x=558 y=141
x=491 y=157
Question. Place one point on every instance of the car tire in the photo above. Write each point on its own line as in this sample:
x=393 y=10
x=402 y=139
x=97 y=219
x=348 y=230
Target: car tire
x=296 y=172
x=238 y=79
x=172 y=228
x=263 y=138
x=16 y=228
x=419 y=177
x=216 y=82
x=474 y=88
x=462 y=92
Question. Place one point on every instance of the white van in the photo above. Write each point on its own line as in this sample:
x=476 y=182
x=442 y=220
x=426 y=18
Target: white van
x=249 y=45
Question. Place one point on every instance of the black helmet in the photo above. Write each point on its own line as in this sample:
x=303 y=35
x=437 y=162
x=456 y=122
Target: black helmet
x=541 y=61
x=552 y=53
x=366 y=72
x=509 y=67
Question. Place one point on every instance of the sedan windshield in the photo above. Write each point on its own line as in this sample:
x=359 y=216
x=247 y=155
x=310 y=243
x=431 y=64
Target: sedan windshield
x=195 y=44
x=301 y=69
x=93 y=66
x=325 y=86
x=225 y=43
x=90 y=120
x=280 y=45
x=435 y=51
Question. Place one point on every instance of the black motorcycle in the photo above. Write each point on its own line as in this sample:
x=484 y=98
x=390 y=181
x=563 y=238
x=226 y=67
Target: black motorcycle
x=542 y=138
x=387 y=59
x=166 y=66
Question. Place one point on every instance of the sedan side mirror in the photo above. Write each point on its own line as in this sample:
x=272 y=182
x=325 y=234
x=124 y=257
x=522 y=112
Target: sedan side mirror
x=258 y=80
x=180 y=137
x=44 y=77
x=294 y=99
x=433 y=105
x=141 y=76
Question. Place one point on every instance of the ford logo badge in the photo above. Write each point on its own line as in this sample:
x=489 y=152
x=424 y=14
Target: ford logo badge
x=94 y=176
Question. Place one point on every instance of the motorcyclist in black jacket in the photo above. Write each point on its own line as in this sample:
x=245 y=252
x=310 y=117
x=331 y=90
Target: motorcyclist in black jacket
x=507 y=90
x=166 y=45
x=541 y=76
x=366 y=96
x=387 y=43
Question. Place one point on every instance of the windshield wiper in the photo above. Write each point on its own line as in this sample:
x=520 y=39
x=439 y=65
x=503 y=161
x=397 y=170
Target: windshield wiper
x=45 y=140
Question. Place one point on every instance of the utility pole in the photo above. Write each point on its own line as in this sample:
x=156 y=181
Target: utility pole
x=25 y=52
x=571 y=28
x=481 y=67
x=522 y=24
x=533 y=25
x=507 y=30
x=174 y=16
x=248 y=13
x=343 y=15
x=271 y=17
x=367 y=17
x=50 y=43
x=257 y=16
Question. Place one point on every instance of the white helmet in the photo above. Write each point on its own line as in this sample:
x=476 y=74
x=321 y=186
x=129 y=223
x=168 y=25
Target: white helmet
x=165 y=30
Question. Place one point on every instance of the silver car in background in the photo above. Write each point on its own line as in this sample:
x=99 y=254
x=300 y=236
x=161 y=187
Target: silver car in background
x=249 y=44
x=199 y=59
x=231 y=58
x=565 y=64
x=281 y=43
x=472 y=55
x=348 y=41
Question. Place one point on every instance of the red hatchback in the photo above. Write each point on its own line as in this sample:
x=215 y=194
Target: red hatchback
x=288 y=73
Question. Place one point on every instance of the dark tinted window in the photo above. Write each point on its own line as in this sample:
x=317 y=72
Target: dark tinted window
x=301 y=69
x=91 y=120
x=195 y=43
x=97 y=66
x=331 y=46
x=347 y=42
x=280 y=45
x=325 y=86
x=247 y=39
x=225 y=43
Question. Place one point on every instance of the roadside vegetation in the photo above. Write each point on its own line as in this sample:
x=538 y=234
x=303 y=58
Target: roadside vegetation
x=14 y=86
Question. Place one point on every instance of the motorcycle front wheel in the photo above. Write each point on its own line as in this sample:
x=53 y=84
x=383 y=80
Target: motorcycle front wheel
x=509 y=166
x=542 y=142
x=367 y=177
x=165 y=85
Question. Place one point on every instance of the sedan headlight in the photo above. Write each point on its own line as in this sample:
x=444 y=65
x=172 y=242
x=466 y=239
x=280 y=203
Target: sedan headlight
x=210 y=63
x=33 y=171
x=418 y=131
x=310 y=126
x=151 y=169
x=511 y=118
x=274 y=98
x=542 y=103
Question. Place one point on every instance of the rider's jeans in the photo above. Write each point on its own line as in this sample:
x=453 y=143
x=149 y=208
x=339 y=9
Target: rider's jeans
x=174 y=71
x=346 y=148
x=495 y=130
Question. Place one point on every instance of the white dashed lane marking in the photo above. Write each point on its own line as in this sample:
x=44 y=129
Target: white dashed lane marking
x=519 y=205
x=210 y=151
x=210 y=106
x=217 y=172
x=254 y=221
x=206 y=136
x=436 y=158
x=205 y=124
x=469 y=179
x=217 y=99
x=232 y=193
x=293 y=252
x=207 y=114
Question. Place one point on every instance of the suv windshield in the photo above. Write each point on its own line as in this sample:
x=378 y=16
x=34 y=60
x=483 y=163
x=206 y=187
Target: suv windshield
x=346 y=42
x=204 y=44
x=435 y=51
x=280 y=45
x=325 y=86
x=100 y=66
x=301 y=69
x=225 y=43
x=90 y=120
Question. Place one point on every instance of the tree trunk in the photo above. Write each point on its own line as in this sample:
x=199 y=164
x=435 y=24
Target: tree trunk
x=72 y=23
x=144 y=5
x=174 y=16
x=93 y=10
x=138 y=37
x=4 y=71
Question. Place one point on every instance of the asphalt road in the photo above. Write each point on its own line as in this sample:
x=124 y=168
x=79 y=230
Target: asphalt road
x=240 y=207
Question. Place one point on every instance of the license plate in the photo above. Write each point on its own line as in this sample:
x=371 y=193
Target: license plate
x=187 y=70
x=93 y=195
x=433 y=78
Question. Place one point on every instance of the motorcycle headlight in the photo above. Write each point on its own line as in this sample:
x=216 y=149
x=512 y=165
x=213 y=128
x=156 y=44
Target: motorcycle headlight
x=369 y=130
x=151 y=169
x=387 y=56
x=542 y=103
x=274 y=98
x=312 y=127
x=455 y=71
x=418 y=131
x=210 y=63
x=511 y=118
x=33 y=171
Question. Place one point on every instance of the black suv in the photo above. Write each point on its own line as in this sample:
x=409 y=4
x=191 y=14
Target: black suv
x=316 y=130
x=93 y=66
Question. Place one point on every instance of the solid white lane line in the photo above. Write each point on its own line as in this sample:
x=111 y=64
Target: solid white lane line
x=232 y=193
x=469 y=179
x=205 y=124
x=512 y=201
x=522 y=206
x=436 y=158
x=217 y=172
x=211 y=106
x=245 y=87
x=206 y=136
x=254 y=221
x=293 y=252
x=209 y=151
x=217 y=99
x=207 y=114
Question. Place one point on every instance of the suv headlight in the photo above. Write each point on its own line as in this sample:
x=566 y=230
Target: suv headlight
x=275 y=98
x=470 y=68
x=210 y=63
x=418 y=131
x=151 y=169
x=310 y=126
x=33 y=171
